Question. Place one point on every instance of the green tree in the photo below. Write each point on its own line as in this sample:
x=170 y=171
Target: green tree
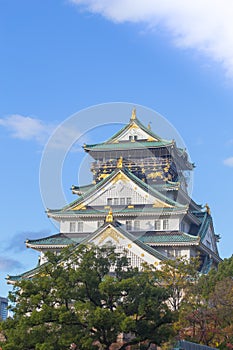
x=206 y=316
x=179 y=276
x=76 y=298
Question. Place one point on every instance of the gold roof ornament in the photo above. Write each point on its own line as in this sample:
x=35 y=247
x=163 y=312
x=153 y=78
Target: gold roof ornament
x=207 y=209
x=133 y=115
x=109 y=217
x=120 y=163
x=149 y=127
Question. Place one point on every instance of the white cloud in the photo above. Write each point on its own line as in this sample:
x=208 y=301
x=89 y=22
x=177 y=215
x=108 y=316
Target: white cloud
x=64 y=137
x=59 y=137
x=7 y=264
x=203 y=25
x=228 y=162
x=26 y=128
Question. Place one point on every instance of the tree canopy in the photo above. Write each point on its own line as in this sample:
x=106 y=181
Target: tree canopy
x=87 y=297
x=206 y=315
x=79 y=299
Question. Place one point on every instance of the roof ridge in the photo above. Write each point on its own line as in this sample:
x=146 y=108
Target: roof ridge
x=132 y=121
x=133 y=177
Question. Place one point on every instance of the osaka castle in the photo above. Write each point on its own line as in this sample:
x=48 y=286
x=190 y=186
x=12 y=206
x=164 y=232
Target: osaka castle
x=138 y=202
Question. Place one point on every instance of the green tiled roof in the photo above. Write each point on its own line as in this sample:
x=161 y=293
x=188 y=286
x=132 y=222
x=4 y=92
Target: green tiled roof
x=150 y=250
x=56 y=240
x=84 y=188
x=169 y=238
x=206 y=221
x=128 y=145
x=27 y=274
x=130 y=175
x=103 y=212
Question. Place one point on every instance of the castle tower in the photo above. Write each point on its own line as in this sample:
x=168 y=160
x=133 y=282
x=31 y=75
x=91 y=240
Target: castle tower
x=138 y=202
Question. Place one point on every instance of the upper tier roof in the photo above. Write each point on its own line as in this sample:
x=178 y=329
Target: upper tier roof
x=127 y=145
x=136 y=136
x=135 y=123
x=144 y=135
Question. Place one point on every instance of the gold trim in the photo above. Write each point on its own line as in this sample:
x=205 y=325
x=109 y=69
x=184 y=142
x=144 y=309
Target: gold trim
x=133 y=126
x=118 y=177
x=79 y=207
x=110 y=232
x=133 y=115
x=109 y=217
x=150 y=138
x=160 y=204
x=207 y=209
x=120 y=162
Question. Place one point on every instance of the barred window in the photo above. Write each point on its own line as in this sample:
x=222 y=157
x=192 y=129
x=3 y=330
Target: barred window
x=72 y=226
x=136 y=225
x=80 y=226
x=129 y=225
x=122 y=201
x=109 y=201
x=157 y=225
x=128 y=200
x=166 y=224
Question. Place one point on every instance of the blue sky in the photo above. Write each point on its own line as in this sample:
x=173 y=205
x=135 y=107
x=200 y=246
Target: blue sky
x=59 y=57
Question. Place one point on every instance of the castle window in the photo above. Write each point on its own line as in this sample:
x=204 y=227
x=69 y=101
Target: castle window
x=128 y=200
x=116 y=201
x=135 y=137
x=72 y=226
x=136 y=225
x=178 y=253
x=109 y=201
x=130 y=138
x=166 y=224
x=157 y=225
x=129 y=225
x=80 y=226
x=122 y=201
x=99 y=223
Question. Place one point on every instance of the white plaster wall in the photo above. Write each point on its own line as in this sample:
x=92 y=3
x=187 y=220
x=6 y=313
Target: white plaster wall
x=145 y=224
x=123 y=189
x=141 y=135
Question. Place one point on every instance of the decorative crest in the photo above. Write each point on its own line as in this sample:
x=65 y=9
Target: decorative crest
x=149 y=126
x=120 y=163
x=207 y=209
x=133 y=115
x=109 y=217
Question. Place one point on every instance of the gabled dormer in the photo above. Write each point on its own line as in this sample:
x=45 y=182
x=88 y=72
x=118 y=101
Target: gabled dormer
x=135 y=131
x=145 y=154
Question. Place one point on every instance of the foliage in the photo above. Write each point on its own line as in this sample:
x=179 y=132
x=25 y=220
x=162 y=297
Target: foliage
x=79 y=298
x=83 y=302
x=178 y=276
x=207 y=316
